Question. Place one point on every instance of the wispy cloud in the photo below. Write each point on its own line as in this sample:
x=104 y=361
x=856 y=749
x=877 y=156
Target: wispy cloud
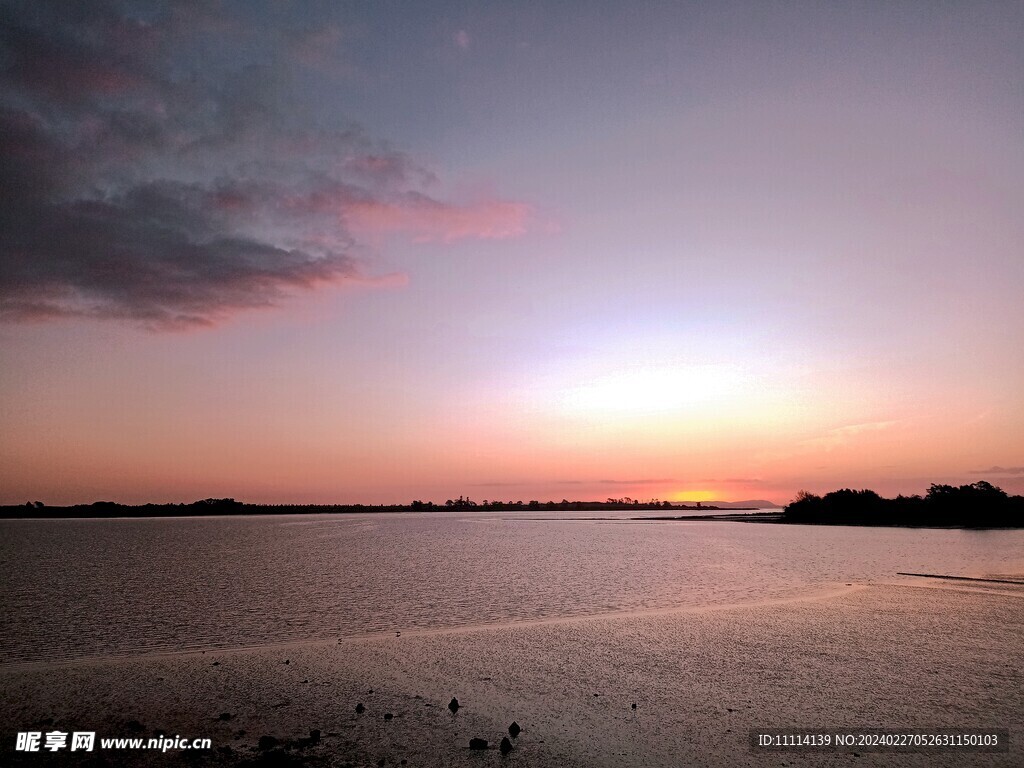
x=844 y=435
x=430 y=220
x=997 y=471
x=642 y=481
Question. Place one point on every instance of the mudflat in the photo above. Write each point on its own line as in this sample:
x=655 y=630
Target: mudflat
x=944 y=657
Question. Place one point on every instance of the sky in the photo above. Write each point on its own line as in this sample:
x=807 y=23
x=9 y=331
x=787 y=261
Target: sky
x=340 y=252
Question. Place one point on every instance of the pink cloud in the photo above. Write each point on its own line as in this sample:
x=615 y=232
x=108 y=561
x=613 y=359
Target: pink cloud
x=432 y=221
x=462 y=39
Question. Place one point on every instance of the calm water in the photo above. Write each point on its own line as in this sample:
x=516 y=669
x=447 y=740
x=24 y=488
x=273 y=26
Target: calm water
x=72 y=589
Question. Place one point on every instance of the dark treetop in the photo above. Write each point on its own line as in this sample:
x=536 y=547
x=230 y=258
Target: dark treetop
x=979 y=505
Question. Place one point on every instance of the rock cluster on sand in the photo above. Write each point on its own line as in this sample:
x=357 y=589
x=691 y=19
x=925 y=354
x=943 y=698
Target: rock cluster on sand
x=267 y=743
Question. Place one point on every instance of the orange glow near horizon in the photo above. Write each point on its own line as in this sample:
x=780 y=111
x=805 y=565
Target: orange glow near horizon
x=700 y=496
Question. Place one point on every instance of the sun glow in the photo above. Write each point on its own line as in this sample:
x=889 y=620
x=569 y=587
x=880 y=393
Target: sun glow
x=700 y=496
x=653 y=390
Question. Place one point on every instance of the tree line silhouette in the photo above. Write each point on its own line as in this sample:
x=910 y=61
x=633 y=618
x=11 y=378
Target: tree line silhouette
x=978 y=505
x=36 y=509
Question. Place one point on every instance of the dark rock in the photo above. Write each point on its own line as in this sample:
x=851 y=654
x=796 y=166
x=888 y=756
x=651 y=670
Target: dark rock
x=506 y=745
x=514 y=729
x=267 y=743
x=634 y=706
x=360 y=708
x=215 y=664
x=224 y=716
x=381 y=762
x=314 y=736
x=286 y=661
x=388 y=716
x=453 y=705
x=478 y=743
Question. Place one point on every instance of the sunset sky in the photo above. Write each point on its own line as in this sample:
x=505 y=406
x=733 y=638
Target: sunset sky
x=378 y=251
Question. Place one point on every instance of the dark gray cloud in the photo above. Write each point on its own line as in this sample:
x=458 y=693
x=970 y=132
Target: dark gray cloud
x=152 y=173
x=160 y=253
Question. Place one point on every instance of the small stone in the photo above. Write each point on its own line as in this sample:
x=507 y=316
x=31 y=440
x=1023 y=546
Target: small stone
x=388 y=716
x=215 y=664
x=478 y=743
x=506 y=745
x=634 y=706
x=381 y=762
x=224 y=716
x=360 y=708
x=286 y=661
x=453 y=705
x=267 y=743
x=514 y=729
x=314 y=736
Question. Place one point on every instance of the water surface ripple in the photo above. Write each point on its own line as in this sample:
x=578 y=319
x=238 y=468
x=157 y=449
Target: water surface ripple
x=84 y=588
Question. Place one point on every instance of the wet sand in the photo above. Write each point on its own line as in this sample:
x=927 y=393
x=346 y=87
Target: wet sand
x=858 y=656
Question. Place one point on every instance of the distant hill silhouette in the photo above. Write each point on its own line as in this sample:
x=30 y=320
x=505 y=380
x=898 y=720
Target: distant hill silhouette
x=979 y=505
